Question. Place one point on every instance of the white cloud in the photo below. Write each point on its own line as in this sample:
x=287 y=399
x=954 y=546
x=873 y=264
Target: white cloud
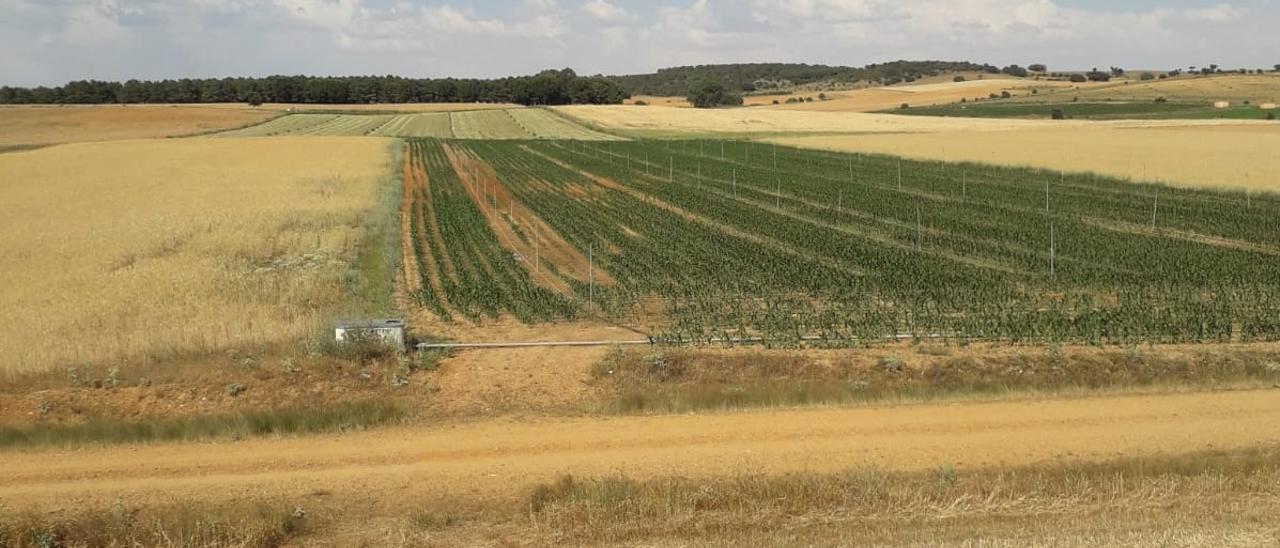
x=51 y=41
x=1220 y=13
x=604 y=11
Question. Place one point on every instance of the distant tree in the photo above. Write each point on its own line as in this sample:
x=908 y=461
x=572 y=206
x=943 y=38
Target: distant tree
x=1037 y=67
x=905 y=106
x=1098 y=76
x=1005 y=95
x=1015 y=70
x=254 y=99
x=1148 y=76
x=958 y=78
x=1078 y=78
x=1161 y=99
x=822 y=97
x=1277 y=68
x=1057 y=114
x=1271 y=116
x=1117 y=71
x=712 y=94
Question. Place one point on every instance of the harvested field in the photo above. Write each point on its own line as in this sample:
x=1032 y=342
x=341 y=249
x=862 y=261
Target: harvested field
x=674 y=122
x=1236 y=88
x=1240 y=155
x=891 y=97
x=477 y=124
x=147 y=249
x=43 y=125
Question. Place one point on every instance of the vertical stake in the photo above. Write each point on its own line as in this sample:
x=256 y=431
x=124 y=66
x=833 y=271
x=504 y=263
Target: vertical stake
x=919 y=229
x=899 y=173
x=840 y=201
x=777 y=192
x=1155 y=206
x=591 y=276
x=671 y=169
x=1053 y=251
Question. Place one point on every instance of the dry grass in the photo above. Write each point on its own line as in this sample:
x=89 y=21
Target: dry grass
x=1229 y=155
x=246 y=525
x=685 y=380
x=30 y=125
x=144 y=249
x=1210 y=498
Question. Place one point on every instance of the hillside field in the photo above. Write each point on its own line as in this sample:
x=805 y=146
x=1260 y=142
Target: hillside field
x=136 y=250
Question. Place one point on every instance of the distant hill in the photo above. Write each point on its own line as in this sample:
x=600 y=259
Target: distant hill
x=749 y=77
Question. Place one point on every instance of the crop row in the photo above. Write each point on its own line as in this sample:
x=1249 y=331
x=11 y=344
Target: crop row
x=785 y=243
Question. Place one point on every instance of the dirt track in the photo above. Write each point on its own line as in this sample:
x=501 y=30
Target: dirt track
x=502 y=458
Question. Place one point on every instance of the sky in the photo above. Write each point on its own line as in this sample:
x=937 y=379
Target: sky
x=49 y=42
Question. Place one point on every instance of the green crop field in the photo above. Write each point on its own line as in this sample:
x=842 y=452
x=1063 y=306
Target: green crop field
x=734 y=239
x=525 y=123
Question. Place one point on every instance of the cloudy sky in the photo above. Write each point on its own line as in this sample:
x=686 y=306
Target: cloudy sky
x=52 y=41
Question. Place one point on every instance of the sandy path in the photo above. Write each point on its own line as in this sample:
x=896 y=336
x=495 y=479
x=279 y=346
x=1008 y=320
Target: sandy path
x=502 y=458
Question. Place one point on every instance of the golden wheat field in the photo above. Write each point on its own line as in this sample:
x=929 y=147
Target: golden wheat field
x=44 y=125
x=1230 y=155
x=133 y=249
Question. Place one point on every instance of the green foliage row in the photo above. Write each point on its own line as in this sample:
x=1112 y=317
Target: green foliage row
x=476 y=275
x=738 y=239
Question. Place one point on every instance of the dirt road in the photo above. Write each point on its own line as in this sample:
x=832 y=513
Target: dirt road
x=495 y=459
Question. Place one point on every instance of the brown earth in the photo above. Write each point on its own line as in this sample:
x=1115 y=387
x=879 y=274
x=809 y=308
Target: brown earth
x=45 y=125
x=500 y=459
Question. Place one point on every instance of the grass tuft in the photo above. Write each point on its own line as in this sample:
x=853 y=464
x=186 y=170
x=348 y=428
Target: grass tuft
x=296 y=420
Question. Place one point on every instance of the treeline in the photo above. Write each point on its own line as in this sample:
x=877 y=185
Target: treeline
x=746 y=78
x=551 y=87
